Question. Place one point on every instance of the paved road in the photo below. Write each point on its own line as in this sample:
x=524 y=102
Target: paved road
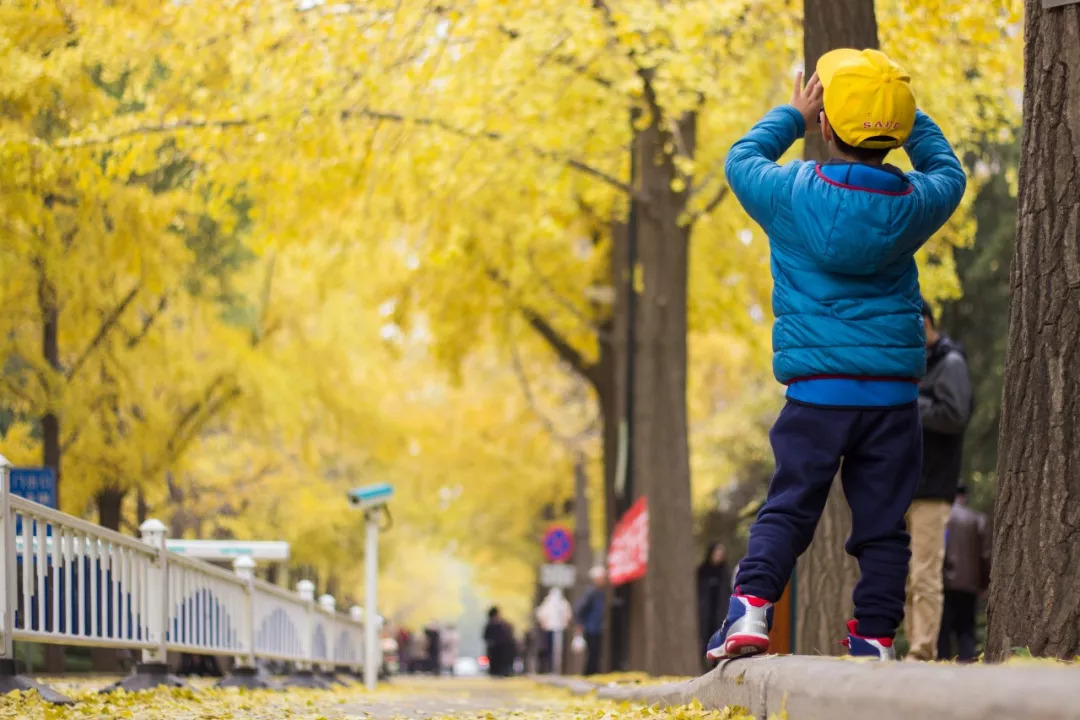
x=409 y=697
x=404 y=698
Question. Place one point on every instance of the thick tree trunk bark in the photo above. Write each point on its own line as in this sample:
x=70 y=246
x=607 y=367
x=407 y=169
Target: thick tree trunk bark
x=826 y=575
x=608 y=376
x=660 y=454
x=828 y=25
x=1035 y=582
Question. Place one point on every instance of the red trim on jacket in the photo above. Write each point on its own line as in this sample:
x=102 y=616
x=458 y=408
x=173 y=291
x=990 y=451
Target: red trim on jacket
x=895 y=193
x=853 y=377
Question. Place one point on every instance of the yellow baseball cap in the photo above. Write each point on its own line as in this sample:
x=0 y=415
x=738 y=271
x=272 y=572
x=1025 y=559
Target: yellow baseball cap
x=868 y=98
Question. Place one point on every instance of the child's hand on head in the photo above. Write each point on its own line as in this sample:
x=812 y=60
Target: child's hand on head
x=807 y=100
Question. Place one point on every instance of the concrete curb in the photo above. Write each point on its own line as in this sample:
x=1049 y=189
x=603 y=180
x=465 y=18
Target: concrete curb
x=816 y=688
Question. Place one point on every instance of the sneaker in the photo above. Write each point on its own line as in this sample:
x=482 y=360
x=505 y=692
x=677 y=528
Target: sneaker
x=859 y=646
x=745 y=630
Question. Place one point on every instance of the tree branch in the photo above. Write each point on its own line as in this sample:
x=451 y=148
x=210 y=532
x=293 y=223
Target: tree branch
x=530 y=399
x=566 y=352
x=195 y=418
x=493 y=136
x=106 y=325
x=564 y=60
x=148 y=322
x=713 y=204
x=564 y=302
x=168 y=127
x=572 y=163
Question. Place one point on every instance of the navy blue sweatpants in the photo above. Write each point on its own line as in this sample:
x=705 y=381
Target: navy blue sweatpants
x=882 y=454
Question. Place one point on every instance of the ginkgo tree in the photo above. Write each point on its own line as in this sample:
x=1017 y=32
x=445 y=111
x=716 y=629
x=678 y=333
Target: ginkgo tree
x=148 y=176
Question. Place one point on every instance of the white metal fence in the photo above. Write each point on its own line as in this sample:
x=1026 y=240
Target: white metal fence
x=70 y=582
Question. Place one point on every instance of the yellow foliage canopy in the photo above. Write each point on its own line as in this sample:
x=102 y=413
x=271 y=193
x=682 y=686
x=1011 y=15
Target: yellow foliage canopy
x=265 y=230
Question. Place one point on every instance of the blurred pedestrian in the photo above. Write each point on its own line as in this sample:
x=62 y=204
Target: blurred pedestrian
x=542 y=646
x=449 y=650
x=434 y=648
x=967 y=575
x=945 y=404
x=501 y=647
x=405 y=651
x=590 y=619
x=713 y=592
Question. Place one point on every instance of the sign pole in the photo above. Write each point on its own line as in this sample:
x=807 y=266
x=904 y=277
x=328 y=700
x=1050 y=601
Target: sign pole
x=556 y=652
x=371 y=616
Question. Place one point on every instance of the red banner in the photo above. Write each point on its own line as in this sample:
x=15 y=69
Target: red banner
x=628 y=558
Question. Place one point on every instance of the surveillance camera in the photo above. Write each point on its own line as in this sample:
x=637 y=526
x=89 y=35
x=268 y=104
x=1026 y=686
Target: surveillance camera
x=370 y=497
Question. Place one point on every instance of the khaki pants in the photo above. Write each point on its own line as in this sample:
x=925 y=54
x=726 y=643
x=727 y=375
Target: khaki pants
x=925 y=591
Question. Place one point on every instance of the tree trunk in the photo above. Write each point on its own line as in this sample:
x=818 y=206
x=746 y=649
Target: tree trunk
x=824 y=580
x=110 y=502
x=583 y=555
x=826 y=575
x=50 y=421
x=141 y=509
x=1035 y=583
x=610 y=374
x=50 y=350
x=660 y=452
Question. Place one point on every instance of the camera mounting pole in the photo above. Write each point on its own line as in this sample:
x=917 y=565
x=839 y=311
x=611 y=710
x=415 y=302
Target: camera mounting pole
x=373 y=500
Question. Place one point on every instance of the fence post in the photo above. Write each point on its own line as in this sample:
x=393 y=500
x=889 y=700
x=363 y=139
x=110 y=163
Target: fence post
x=306 y=590
x=245 y=671
x=153 y=534
x=9 y=679
x=329 y=608
x=153 y=670
x=372 y=657
x=356 y=632
x=7 y=539
x=305 y=675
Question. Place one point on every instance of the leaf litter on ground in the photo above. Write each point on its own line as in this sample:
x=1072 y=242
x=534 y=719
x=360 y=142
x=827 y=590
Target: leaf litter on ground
x=352 y=703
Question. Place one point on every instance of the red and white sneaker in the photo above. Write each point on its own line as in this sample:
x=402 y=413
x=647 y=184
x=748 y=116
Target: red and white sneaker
x=859 y=646
x=745 y=630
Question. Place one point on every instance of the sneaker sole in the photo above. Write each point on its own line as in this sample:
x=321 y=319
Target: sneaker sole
x=740 y=646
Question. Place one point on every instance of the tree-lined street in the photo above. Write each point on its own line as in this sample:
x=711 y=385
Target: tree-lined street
x=485 y=254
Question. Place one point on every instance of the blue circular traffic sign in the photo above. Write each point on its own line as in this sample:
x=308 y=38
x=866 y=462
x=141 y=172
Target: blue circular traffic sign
x=558 y=544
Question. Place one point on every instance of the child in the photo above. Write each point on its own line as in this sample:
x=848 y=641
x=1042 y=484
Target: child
x=848 y=340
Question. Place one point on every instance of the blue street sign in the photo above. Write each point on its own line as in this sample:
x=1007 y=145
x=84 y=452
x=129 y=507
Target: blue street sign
x=36 y=484
x=558 y=544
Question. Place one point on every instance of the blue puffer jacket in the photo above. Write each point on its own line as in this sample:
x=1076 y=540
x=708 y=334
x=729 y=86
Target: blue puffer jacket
x=843 y=236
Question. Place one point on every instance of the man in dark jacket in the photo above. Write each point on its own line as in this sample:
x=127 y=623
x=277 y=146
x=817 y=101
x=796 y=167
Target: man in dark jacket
x=499 y=638
x=967 y=574
x=714 y=587
x=945 y=407
x=590 y=618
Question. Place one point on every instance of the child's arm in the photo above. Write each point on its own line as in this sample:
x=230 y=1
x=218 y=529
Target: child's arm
x=751 y=169
x=943 y=178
